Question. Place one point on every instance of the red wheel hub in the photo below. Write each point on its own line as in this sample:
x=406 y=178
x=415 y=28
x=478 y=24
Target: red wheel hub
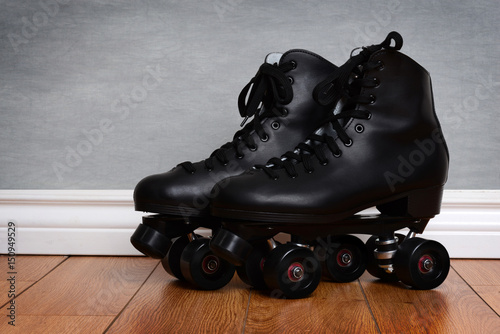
x=210 y=264
x=426 y=264
x=295 y=272
x=344 y=257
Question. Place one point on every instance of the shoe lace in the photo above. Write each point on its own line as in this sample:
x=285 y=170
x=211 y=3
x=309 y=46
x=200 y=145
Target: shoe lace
x=343 y=85
x=257 y=99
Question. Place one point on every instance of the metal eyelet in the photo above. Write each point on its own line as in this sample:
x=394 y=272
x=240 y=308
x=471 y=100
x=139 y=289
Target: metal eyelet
x=294 y=64
x=291 y=80
x=284 y=112
x=337 y=154
x=359 y=128
x=253 y=148
x=380 y=65
x=324 y=163
x=368 y=115
x=373 y=98
x=349 y=143
x=275 y=125
x=376 y=82
x=266 y=138
x=239 y=156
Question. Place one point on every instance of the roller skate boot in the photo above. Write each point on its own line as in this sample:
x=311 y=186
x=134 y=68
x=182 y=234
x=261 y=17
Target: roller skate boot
x=384 y=149
x=279 y=112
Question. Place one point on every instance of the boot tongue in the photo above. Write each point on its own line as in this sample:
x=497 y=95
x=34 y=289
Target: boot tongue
x=273 y=58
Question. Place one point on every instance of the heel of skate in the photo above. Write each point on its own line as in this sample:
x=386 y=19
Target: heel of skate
x=421 y=203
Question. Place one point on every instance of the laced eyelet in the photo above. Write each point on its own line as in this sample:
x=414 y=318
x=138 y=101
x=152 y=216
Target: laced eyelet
x=337 y=154
x=239 y=156
x=368 y=115
x=310 y=171
x=291 y=80
x=208 y=170
x=376 y=81
x=276 y=178
x=275 y=125
x=324 y=163
x=253 y=148
x=294 y=176
x=372 y=99
x=265 y=138
x=359 y=128
x=294 y=64
x=225 y=163
x=349 y=143
x=380 y=65
x=284 y=112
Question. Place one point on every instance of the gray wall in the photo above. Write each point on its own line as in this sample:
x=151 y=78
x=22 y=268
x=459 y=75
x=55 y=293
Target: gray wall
x=98 y=94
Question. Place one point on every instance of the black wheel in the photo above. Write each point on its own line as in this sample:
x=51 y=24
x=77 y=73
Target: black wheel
x=345 y=258
x=172 y=261
x=422 y=264
x=202 y=268
x=150 y=242
x=372 y=264
x=230 y=247
x=251 y=272
x=293 y=270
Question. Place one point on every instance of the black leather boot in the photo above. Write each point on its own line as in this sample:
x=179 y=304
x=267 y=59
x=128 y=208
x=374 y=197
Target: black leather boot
x=279 y=98
x=384 y=148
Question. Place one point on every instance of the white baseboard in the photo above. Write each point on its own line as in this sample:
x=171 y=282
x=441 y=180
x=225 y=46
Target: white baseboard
x=100 y=222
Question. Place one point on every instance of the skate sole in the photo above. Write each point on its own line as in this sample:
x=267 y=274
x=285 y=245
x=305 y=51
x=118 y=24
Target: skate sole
x=178 y=210
x=422 y=203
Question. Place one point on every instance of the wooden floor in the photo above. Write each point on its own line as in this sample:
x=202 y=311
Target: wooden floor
x=58 y=294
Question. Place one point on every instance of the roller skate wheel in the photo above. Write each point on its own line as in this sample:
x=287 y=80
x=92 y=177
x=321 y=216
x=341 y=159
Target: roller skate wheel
x=201 y=267
x=345 y=258
x=150 y=242
x=230 y=247
x=422 y=264
x=292 y=271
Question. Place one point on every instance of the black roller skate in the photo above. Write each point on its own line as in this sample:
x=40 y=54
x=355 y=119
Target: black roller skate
x=279 y=98
x=384 y=148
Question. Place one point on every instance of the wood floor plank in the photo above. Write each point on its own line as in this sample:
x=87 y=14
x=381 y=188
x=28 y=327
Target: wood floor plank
x=79 y=292
x=166 y=305
x=490 y=294
x=453 y=307
x=478 y=272
x=36 y=324
x=484 y=277
x=87 y=286
x=332 y=308
x=29 y=269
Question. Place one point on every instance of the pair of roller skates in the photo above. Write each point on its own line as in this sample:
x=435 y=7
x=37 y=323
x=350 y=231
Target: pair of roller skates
x=357 y=136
